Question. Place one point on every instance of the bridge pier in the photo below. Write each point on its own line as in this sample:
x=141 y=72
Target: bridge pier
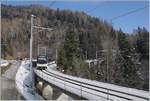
x=43 y=88
x=48 y=92
x=39 y=87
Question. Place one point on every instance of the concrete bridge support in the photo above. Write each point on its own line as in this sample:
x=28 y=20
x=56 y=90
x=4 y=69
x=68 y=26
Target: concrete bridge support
x=45 y=90
x=49 y=92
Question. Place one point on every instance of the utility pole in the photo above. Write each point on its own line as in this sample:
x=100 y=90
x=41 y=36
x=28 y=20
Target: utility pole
x=3 y=44
x=86 y=54
x=97 y=51
x=108 y=60
x=31 y=43
x=38 y=50
x=45 y=50
x=96 y=54
x=56 y=55
x=31 y=40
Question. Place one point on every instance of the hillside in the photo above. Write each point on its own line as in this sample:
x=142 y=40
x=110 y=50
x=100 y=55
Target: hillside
x=16 y=24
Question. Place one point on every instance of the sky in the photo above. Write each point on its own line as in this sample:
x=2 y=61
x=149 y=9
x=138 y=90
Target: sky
x=104 y=10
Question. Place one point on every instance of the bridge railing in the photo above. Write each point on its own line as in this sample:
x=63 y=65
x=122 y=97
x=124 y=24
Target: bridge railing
x=92 y=90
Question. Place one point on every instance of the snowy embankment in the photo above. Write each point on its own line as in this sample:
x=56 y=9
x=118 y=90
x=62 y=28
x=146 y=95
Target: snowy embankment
x=4 y=63
x=91 y=89
x=23 y=82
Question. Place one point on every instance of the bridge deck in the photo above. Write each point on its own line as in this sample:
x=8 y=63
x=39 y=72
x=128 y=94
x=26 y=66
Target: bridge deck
x=90 y=89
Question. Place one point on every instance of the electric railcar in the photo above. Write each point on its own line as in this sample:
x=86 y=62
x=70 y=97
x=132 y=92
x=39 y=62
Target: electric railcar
x=42 y=62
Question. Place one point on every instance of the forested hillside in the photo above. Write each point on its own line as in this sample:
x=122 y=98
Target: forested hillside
x=77 y=37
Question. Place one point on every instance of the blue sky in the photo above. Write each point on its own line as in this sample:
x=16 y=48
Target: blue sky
x=105 y=10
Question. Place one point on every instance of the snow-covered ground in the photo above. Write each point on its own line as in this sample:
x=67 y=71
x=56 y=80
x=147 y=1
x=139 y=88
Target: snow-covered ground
x=4 y=63
x=8 y=84
x=90 y=89
x=23 y=82
x=92 y=60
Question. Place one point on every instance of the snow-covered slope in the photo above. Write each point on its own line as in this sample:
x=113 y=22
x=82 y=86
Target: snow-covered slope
x=23 y=82
x=3 y=63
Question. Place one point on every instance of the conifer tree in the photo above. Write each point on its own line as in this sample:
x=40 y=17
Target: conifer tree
x=128 y=68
